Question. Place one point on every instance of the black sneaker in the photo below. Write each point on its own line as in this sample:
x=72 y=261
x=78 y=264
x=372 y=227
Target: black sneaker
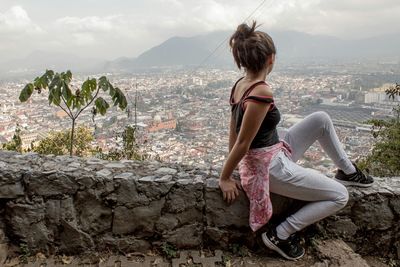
x=358 y=178
x=289 y=249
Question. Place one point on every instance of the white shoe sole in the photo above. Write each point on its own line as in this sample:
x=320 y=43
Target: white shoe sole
x=348 y=183
x=272 y=246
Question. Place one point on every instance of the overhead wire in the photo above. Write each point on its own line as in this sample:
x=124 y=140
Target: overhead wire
x=246 y=20
x=259 y=7
x=224 y=41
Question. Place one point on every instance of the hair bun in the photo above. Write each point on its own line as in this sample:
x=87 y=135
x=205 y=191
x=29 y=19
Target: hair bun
x=243 y=31
x=251 y=48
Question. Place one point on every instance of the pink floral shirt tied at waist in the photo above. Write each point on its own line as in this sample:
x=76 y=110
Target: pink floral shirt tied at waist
x=254 y=176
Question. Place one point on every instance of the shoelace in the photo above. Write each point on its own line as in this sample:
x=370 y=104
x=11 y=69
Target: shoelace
x=364 y=176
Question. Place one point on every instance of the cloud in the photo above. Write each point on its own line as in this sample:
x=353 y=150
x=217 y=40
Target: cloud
x=16 y=20
x=88 y=24
x=101 y=28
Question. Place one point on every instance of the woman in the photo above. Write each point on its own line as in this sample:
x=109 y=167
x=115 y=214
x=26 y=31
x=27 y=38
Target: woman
x=268 y=164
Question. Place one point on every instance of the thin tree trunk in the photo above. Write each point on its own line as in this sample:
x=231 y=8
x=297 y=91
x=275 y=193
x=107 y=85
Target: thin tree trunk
x=72 y=138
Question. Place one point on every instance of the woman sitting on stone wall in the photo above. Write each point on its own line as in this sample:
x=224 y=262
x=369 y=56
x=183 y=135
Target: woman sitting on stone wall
x=267 y=163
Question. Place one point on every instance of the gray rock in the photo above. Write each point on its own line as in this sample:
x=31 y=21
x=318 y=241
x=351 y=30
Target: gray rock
x=26 y=221
x=94 y=216
x=339 y=254
x=217 y=211
x=53 y=211
x=154 y=190
x=11 y=190
x=10 y=176
x=73 y=240
x=74 y=165
x=218 y=236
x=126 y=194
x=165 y=171
x=164 y=179
x=3 y=237
x=182 y=198
x=395 y=204
x=86 y=181
x=115 y=165
x=3 y=165
x=104 y=173
x=147 y=179
x=343 y=227
x=50 y=185
x=124 y=175
x=183 y=175
x=167 y=222
x=373 y=214
x=186 y=236
x=186 y=181
x=67 y=211
x=139 y=220
x=94 y=161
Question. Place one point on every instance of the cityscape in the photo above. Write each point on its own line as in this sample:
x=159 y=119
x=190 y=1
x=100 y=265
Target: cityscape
x=182 y=116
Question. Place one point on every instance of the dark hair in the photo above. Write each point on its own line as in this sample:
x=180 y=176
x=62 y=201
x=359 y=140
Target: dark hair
x=251 y=48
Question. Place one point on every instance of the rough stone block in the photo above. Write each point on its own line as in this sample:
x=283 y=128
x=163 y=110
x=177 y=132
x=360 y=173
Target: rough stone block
x=341 y=226
x=94 y=216
x=50 y=185
x=167 y=222
x=3 y=253
x=9 y=174
x=73 y=239
x=182 y=198
x=152 y=189
x=141 y=219
x=67 y=211
x=395 y=204
x=339 y=254
x=187 y=236
x=26 y=220
x=11 y=190
x=373 y=214
x=126 y=194
x=220 y=214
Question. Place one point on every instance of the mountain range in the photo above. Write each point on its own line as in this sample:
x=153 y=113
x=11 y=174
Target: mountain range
x=194 y=51
x=291 y=47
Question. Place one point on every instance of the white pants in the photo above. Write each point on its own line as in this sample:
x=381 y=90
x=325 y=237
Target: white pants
x=326 y=196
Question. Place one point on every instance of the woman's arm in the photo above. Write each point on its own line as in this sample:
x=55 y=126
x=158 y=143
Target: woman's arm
x=253 y=117
x=232 y=133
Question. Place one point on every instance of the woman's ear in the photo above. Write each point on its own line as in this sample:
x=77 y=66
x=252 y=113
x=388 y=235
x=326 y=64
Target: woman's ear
x=271 y=60
x=270 y=63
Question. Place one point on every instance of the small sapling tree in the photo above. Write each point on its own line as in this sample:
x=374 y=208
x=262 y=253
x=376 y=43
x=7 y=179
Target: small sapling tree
x=71 y=101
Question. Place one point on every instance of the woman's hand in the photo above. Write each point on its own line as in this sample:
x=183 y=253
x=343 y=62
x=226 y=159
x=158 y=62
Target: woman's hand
x=230 y=189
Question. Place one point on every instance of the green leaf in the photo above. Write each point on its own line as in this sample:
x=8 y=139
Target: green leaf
x=119 y=99
x=101 y=105
x=70 y=100
x=88 y=87
x=55 y=88
x=68 y=76
x=66 y=91
x=104 y=83
x=26 y=92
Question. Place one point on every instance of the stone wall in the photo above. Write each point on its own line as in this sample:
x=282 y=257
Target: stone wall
x=70 y=205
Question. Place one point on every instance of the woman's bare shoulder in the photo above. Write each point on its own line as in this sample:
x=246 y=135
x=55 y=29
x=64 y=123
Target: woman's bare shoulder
x=262 y=90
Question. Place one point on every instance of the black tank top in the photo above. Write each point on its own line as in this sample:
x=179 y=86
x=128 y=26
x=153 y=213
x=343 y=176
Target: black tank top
x=267 y=135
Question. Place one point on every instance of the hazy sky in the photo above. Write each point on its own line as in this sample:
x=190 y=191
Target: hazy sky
x=110 y=29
